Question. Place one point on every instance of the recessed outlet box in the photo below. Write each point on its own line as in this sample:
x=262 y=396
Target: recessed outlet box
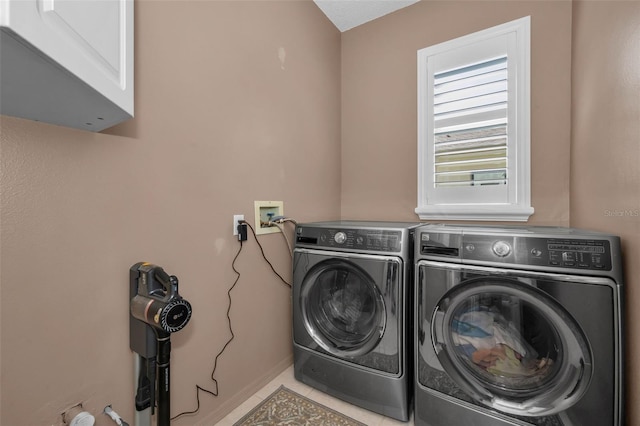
x=265 y=212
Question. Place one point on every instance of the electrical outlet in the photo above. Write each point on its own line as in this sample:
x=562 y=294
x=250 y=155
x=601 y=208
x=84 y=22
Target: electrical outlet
x=265 y=210
x=236 y=221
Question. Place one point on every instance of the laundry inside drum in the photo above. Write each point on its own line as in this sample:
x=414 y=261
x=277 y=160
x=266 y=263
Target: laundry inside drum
x=506 y=343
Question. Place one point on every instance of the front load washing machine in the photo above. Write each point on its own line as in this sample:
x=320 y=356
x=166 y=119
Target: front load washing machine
x=352 y=312
x=518 y=326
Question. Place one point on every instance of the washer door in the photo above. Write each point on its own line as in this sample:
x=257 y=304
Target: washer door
x=342 y=308
x=511 y=347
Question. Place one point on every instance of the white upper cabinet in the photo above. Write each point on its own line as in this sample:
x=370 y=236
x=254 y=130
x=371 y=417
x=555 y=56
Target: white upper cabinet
x=67 y=62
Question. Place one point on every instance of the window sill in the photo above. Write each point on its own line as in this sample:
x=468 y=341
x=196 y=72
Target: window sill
x=493 y=212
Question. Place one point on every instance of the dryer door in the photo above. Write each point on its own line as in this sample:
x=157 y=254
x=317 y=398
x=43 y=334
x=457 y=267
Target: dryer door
x=349 y=306
x=342 y=308
x=511 y=346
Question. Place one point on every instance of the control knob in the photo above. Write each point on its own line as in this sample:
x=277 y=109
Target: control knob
x=501 y=248
x=340 y=237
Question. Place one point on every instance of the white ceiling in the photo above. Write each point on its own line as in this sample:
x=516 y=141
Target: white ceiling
x=346 y=14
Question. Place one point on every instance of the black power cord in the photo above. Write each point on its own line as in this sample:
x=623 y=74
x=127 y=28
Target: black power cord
x=264 y=256
x=216 y=392
x=215 y=362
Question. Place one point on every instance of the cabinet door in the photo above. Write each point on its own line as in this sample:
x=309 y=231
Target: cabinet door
x=91 y=39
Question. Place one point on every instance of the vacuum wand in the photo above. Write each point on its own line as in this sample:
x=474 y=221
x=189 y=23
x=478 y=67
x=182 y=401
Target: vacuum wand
x=164 y=400
x=156 y=311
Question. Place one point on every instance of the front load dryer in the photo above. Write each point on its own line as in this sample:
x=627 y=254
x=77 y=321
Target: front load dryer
x=352 y=312
x=518 y=326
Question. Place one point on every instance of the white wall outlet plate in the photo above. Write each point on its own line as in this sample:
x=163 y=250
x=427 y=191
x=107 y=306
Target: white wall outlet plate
x=236 y=221
x=265 y=211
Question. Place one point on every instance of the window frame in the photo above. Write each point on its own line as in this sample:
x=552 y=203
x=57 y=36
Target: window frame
x=510 y=202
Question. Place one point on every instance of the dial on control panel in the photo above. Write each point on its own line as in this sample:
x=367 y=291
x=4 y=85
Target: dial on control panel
x=501 y=248
x=340 y=237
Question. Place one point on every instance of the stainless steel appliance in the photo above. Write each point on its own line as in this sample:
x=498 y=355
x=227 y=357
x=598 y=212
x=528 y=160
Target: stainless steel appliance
x=351 y=312
x=518 y=326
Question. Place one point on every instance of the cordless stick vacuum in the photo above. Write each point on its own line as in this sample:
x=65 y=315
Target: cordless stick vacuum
x=157 y=310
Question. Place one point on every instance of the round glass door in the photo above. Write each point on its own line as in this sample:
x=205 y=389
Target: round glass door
x=512 y=347
x=342 y=308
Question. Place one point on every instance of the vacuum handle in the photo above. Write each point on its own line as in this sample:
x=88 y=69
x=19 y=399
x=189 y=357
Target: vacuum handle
x=168 y=282
x=162 y=276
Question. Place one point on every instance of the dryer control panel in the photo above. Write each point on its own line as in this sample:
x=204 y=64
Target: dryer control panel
x=378 y=240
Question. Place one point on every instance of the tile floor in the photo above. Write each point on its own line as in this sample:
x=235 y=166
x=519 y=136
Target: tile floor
x=286 y=378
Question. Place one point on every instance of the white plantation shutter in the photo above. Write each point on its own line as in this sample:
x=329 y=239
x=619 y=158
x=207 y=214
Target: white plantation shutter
x=470 y=125
x=473 y=126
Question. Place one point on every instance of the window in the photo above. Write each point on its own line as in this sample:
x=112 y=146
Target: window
x=473 y=126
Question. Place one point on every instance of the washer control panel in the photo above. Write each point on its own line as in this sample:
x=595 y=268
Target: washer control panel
x=353 y=239
x=590 y=254
x=572 y=253
x=556 y=252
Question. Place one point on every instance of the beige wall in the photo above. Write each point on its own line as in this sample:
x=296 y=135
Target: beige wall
x=605 y=151
x=379 y=103
x=220 y=122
